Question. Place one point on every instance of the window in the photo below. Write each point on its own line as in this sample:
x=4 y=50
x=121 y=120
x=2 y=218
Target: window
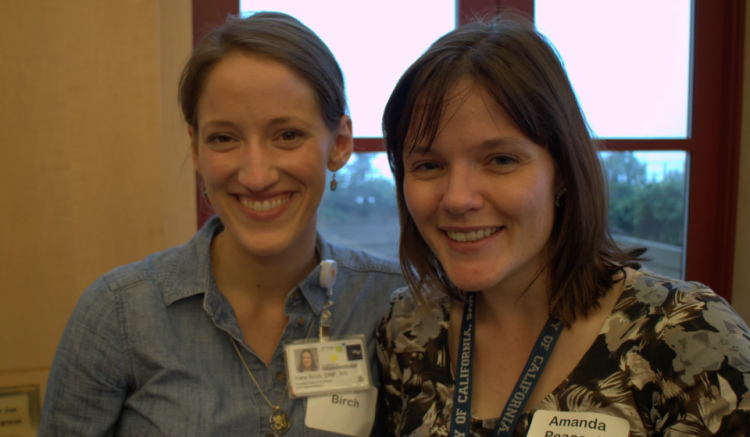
x=705 y=145
x=709 y=141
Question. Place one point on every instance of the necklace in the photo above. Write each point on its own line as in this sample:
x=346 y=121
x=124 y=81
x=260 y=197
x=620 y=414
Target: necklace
x=279 y=419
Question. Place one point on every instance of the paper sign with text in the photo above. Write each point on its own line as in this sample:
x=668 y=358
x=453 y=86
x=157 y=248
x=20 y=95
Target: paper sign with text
x=15 y=418
x=577 y=424
x=351 y=413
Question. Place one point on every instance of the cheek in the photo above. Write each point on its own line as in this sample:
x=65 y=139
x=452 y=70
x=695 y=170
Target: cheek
x=305 y=164
x=419 y=199
x=537 y=205
x=216 y=167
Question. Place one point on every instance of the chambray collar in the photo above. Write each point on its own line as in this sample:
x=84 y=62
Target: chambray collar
x=190 y=273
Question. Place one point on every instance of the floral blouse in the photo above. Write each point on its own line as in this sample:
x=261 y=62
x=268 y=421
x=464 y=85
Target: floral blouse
x=673 y=359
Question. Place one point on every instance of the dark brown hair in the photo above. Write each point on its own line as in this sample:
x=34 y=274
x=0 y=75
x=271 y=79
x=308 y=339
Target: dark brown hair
x=520 y=70
x=274 y=35
x=301 y=366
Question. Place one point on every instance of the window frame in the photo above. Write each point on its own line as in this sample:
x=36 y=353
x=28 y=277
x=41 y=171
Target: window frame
x=714 y=142
x=713 y=146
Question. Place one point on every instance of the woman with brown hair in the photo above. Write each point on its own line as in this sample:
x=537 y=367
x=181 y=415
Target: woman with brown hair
x=189 y=341
x=307 y=361
x=522 y=316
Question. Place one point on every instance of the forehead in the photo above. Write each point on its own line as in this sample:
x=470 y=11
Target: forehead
x=467 y=114
x=256 y=85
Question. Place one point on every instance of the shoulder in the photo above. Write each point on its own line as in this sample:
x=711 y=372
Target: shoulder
x=357 y=261
x=685 y=345
x=179 y=271
x=154 y=267
x=141 y=282
x=668 y=303
x=160 y=277
x=675 y=300
x=697 y=329
x=409 y=318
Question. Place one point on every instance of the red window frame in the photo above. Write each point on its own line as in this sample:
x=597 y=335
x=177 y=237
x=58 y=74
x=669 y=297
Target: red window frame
x=719 y=28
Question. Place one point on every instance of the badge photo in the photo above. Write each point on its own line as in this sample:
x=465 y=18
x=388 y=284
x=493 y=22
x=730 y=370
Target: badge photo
x=326 y=367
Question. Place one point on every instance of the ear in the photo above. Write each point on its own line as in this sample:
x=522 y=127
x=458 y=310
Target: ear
x=194 y=148
x=343 y=144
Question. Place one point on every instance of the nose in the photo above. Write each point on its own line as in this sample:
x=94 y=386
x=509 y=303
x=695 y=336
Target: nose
x=461 y=193
x=257 y=171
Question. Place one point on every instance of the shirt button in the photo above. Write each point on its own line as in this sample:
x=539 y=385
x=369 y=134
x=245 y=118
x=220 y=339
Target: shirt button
x=301 y=321
x=280 y=376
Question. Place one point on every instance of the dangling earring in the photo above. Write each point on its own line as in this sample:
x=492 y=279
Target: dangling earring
x=559 y=199
x=334 y=184
x=203 y=191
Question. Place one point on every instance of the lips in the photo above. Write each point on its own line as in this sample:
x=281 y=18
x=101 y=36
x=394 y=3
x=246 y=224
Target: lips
x=266 y=204
x=471 y=236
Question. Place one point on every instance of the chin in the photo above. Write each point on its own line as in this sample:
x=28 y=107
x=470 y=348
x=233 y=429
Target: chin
x=474 y=275
x=470 y=281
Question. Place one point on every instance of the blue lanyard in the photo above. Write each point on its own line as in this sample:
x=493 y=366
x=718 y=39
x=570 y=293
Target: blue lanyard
x=461 y=416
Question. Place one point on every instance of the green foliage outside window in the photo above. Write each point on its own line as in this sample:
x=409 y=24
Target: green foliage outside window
x=641 y=208
x=364 y=195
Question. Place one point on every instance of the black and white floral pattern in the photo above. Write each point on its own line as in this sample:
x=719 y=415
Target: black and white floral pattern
x=673 y=359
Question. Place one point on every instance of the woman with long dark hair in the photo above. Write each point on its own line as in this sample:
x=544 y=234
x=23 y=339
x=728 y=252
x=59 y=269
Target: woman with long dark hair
x=522 y=316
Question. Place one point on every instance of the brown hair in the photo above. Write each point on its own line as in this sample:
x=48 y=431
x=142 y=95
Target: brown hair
x=277 y=36
x=519 y=69
x=301 y=366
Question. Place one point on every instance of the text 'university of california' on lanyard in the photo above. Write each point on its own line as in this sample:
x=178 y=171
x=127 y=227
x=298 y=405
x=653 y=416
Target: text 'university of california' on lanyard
x=461 y=417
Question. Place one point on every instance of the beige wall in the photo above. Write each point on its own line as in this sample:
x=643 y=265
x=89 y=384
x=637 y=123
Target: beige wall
x=94 y=169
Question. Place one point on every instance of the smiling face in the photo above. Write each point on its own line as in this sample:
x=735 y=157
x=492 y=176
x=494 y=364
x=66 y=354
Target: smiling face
x=482 y=196
x=307 y=359
x=262 y=148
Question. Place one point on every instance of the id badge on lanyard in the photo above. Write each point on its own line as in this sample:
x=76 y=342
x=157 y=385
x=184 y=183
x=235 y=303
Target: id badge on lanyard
x=461 y=414
x=326 y=365
x=333 y=374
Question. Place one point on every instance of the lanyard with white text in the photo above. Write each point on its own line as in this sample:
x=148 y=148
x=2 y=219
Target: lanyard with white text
x=460 y=419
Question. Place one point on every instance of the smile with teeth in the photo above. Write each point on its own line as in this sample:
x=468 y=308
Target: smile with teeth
x=466 y=237
x=265 y=205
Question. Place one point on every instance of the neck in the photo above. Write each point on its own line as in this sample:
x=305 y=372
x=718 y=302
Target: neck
x=516 y=301
x=266 y=279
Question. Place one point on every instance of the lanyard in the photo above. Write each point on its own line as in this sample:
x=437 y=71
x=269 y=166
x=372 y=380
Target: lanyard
x=460 y=418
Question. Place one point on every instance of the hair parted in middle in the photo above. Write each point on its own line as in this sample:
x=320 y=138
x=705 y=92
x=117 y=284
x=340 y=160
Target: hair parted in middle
x=277 y=36
x=522 y=73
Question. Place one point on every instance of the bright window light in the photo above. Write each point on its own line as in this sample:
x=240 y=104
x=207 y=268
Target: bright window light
x=374 y=42
x=629 y=62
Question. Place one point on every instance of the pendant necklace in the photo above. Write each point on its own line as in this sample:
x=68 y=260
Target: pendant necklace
x=279 y=419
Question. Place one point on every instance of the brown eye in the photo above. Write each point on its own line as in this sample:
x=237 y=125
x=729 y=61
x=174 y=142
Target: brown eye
x=219 y=138
x=289 y=136
x=503 y=160
x=426 y=166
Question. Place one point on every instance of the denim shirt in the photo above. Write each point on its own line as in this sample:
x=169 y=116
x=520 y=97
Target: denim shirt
x=146 y=351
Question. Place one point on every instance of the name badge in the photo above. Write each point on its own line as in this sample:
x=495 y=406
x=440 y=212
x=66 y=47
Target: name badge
x=351 y=413
x=327 y=367
x=577 y=424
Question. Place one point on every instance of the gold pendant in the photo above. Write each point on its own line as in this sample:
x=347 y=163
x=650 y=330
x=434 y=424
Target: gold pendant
x=279 y=421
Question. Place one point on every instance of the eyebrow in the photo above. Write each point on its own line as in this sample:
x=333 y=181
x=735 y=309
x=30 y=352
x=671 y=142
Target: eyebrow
x=273 y=122
x=217 y=123
x=285 y=120
x=490 y=143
